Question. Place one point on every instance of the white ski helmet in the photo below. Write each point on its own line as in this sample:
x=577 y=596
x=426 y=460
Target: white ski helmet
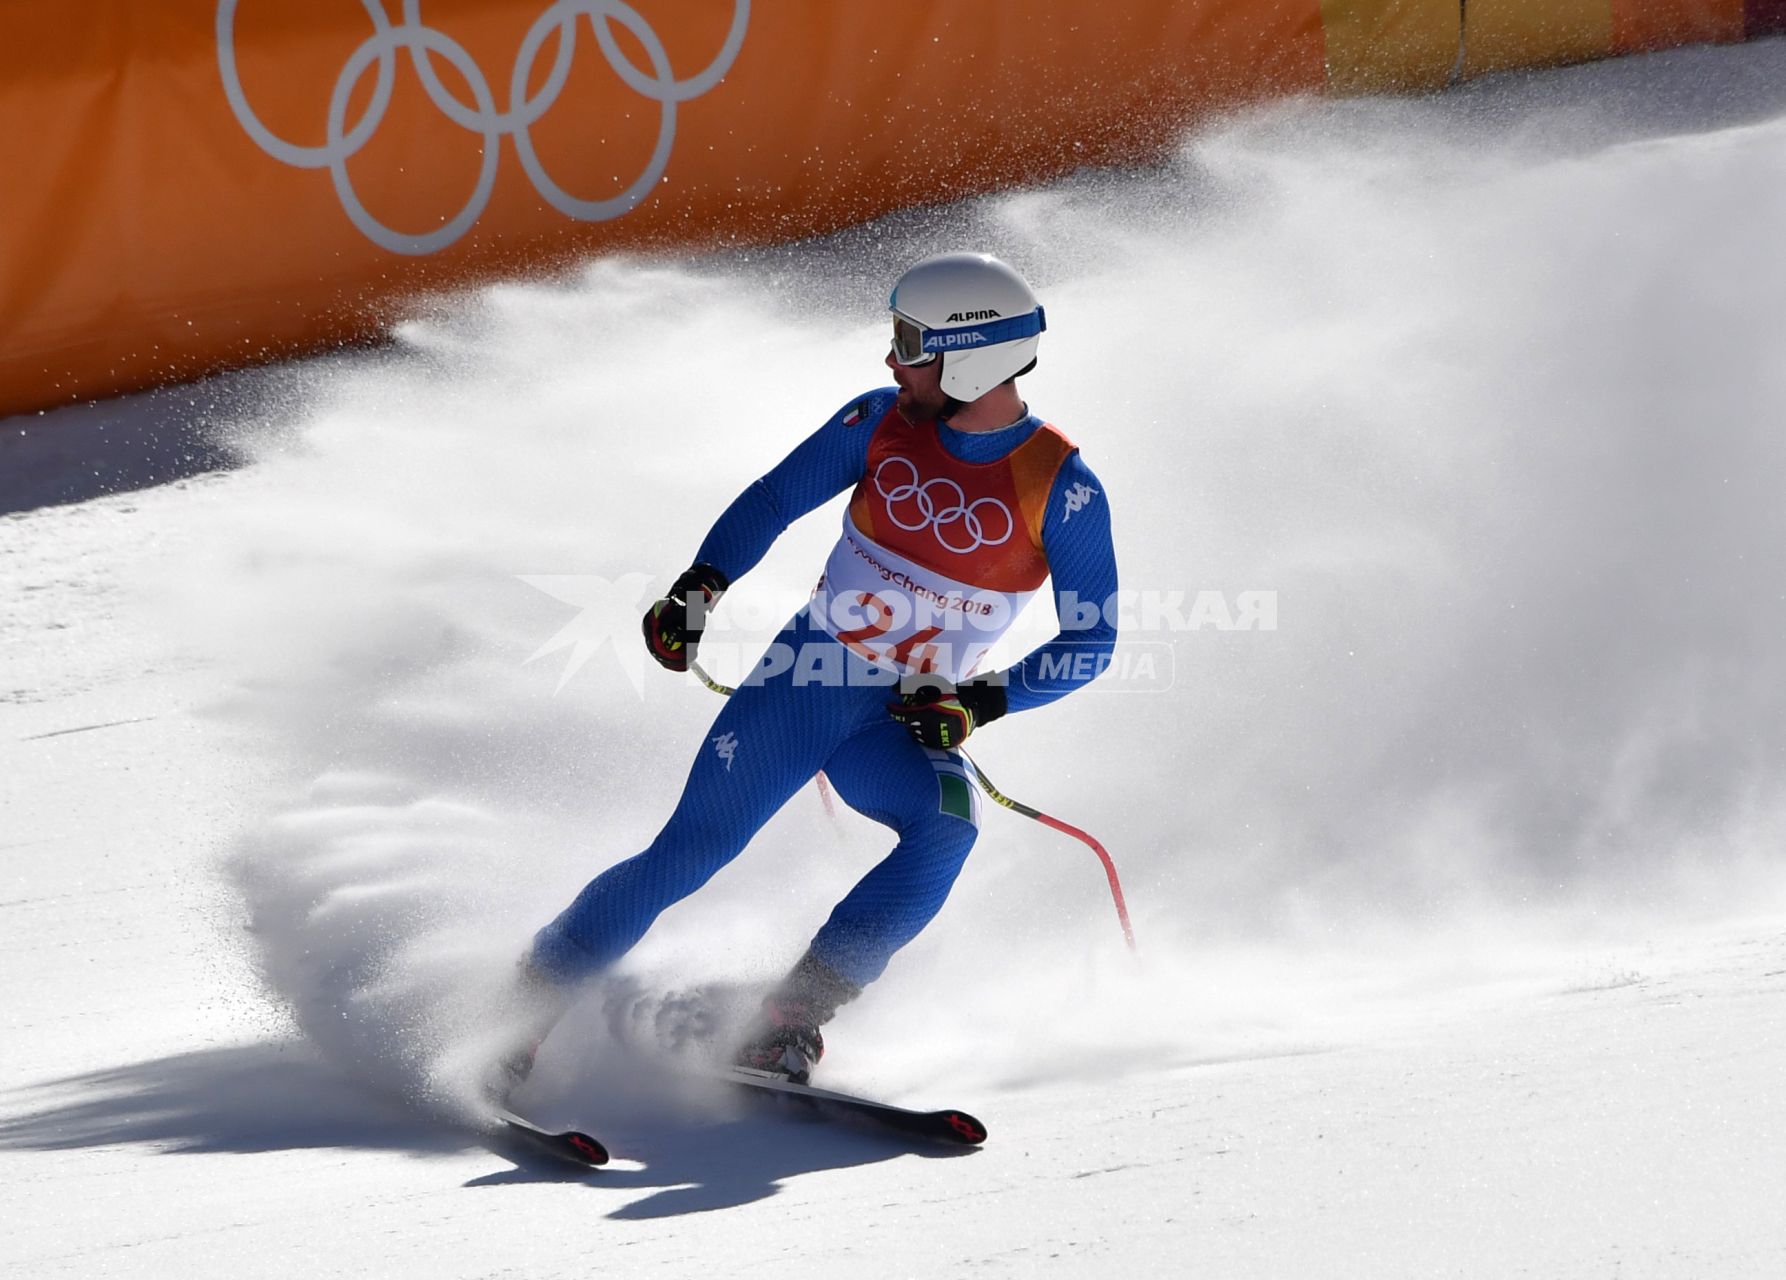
x=973 y=312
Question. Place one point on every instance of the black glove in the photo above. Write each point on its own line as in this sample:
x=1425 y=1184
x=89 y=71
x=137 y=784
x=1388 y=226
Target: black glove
x=673 y=625
x=940 y=715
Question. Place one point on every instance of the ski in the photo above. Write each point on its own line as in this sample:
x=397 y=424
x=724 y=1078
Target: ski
x=570 y=1145
x=936 y=1126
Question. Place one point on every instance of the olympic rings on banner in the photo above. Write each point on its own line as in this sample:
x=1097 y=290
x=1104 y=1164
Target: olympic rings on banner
x=344 y=140
x=957 y=511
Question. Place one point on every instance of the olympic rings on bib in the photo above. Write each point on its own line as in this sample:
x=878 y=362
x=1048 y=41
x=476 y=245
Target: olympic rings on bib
x=481 y=116
x=923 y=496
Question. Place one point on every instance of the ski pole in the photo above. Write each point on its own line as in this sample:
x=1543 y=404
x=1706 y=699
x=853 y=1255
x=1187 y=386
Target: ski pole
x=1017 y=806
x=999 y=797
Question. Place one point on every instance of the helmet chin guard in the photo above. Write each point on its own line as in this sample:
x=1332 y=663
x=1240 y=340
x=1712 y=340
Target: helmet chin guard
x=974 y=312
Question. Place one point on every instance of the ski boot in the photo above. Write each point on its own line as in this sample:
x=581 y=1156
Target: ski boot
x=784 y=1037
x=783 y=1041
x=534 y=1003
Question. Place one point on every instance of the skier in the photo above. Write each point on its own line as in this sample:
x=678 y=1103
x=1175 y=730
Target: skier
x=963 y=504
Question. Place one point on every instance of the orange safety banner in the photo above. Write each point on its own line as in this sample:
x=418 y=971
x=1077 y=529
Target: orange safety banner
x=201 y=183
x=1642 y=25
x=197 y=184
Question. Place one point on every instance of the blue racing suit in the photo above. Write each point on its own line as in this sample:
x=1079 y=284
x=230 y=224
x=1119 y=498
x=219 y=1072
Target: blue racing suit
x=828 y=708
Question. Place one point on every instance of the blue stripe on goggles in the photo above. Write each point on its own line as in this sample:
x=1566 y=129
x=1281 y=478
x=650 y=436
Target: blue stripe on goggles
x=913 y=344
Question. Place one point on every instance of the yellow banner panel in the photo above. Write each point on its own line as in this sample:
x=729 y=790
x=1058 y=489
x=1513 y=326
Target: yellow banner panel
x=199 y=183
x=1500 y=35
x=1388 y=46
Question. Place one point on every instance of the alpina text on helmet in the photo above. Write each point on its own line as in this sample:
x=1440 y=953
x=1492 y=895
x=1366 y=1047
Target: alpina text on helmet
x=960 y=317
x=961 y=338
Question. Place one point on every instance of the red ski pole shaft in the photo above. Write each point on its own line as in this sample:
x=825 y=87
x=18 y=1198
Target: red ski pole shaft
x=1017 y=806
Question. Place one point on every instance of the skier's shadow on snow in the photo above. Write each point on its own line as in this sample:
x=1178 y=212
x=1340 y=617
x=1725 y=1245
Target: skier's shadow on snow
x=280 y=1096
x=697 y=1168
x=275 y=1096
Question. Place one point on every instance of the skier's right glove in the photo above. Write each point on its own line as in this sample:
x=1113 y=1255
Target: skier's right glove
x=939 y=715
x=673 y=625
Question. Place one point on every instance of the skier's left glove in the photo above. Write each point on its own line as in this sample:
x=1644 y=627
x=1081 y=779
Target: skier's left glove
x=939 y=715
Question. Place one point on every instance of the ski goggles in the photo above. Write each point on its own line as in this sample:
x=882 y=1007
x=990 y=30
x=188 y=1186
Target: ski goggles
x=908 y=343
x=914 y=344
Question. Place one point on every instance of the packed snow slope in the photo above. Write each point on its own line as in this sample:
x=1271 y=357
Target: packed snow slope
x=1459 y=894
